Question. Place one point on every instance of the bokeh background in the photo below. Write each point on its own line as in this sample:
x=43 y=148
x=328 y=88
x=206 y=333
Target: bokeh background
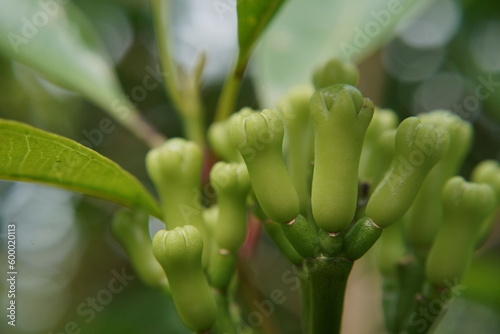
x=66 y=253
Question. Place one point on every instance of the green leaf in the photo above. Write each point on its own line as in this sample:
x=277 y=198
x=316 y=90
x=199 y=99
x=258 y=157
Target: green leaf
x=57 y=40
x=307 y=33
x=60 y=44
x=253 y=18
x=33 y=155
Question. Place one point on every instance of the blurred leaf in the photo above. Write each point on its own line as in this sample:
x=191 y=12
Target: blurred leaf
x=307 y=33
x=33 y=155
x=253 y=18
x=482 y=281
x=57 y=40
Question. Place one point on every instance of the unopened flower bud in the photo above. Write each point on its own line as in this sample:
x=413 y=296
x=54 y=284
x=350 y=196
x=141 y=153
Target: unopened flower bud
x=179 y=251
x=259 y=139
x=340 y=117
x=175 y=168
x=219 y=137
x=465 y=206
x=232 y=185
x=488 y=172
x=425 y=216
x=418 y=147
x=335 y=71
x=299 y=141
x=373 y=157
x=131 y=229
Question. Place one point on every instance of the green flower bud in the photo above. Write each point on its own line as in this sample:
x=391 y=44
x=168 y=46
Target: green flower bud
x=335 y=71
x=175 y=168
x=295 y=108
x=221 y=268
x=131 y=229
x=331 y=243
x=386 y=149
x=340 y=117
x=360 y=238
x=210 y=220
x=488 y=172
x=465 y=205
x=299 y=141
x=275 y=231
x=390 y=249
x=259 y=139
x=179 y=252
x=461 y=133
x=372 y=158
x=425 y=215
x=302 y=237
x=418 y=147
x=232 y=185
x=219 y=137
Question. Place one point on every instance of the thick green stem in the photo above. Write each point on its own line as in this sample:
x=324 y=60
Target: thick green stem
x=229 y=94
x=328 y=279
x=429 y=309
x=390 y=296
x=194 y=128
x=411 y=277
x=224 y=323
x=305 y=289
x=161 y=13
x=182 y=90
x=301 y=170
x=190 y=107
x=132 y=120
x=276 y=233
